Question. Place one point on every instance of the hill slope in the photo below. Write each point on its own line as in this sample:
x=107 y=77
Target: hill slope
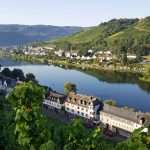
x=129 y=35
x=22 y=34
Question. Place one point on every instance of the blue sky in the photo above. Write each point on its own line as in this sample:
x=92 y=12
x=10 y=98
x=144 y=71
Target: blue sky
x=70 y=12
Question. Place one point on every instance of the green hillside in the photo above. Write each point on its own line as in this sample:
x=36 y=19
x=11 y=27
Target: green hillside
x=103 y=30
x=85 y=36
x=119 y=35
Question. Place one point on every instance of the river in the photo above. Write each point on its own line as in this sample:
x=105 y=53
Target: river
x=124 y=88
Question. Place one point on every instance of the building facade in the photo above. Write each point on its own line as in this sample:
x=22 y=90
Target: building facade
x=78 y=105
x=121 y=121
x=92 y=110
x=54 y=101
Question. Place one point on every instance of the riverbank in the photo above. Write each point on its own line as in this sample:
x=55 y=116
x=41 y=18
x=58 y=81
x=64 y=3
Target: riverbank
x=125 y=88
x=144 y=80
x=76 y=65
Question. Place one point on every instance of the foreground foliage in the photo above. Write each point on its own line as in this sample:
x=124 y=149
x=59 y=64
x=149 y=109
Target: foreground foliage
x=30 y=126
x=35 y=132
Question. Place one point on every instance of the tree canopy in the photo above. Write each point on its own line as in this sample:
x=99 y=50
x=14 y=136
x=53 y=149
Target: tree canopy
x=111 y=102
x=69 y=87
x=30 y=126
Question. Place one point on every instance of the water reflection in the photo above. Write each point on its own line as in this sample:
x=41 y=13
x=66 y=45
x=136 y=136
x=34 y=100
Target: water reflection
x=123 y=87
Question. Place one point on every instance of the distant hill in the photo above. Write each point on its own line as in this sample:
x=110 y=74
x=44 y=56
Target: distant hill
x=129 y=35
x=22 y=34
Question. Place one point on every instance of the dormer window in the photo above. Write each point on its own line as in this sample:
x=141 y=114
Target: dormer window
x=85 y=102
x=142 y=120
x=74 y=100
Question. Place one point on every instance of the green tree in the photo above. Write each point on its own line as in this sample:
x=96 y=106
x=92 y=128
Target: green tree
x=140 y=140
x=111 y=102
x=30 y=126
x=78 y=138
x=75 y=135
x=30 y=77
x=7 y=125
x=18 y=73
x=6 y=72
x=147 y=73
x=69 y=87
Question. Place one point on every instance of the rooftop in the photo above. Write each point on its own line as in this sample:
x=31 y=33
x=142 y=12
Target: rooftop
x=126 y=114
x=55 y=97
x=82 y=100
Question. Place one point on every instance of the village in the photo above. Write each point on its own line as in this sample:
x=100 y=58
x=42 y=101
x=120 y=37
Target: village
x=102 y=55
x=93 y=111
x=103 y=59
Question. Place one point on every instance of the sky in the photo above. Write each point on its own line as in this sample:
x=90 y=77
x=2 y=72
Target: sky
x=70 y=12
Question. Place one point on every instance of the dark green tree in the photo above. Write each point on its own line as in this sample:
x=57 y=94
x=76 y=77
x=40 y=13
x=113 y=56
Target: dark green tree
x=18 y=74
x=6 y=72
x=69 y=87
x=30 y=77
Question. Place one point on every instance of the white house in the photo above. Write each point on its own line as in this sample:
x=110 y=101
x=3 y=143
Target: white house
x=54 y=101
x=121 y=121
x=90 y=51
x=78 y=105
x=131 y=56
x=68 y=54
x=60 y=53
x=83 y=57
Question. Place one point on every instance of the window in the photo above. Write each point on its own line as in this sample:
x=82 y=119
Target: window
x=84 y=102
x=78 y=108
x=67 y=108
x=86 y=110
x=82 y=108
x=82 y=114
x=86 y=115
x=78 y=112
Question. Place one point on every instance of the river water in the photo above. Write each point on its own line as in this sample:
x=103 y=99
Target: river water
x=124 y=88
